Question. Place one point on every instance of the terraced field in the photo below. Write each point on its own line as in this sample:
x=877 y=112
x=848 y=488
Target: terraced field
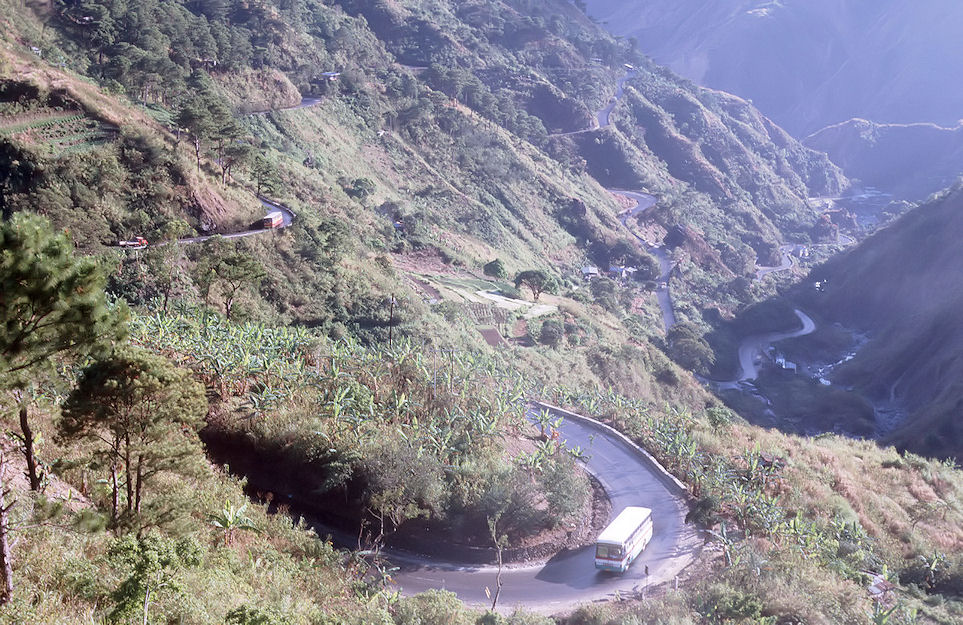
x=58 y=131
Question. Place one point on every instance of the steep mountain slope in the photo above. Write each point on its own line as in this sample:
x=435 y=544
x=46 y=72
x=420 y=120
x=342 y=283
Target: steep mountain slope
x=450 y=120
x=905 y=160
x=903 y=285
x=343 y=349
x=679 y=140
x=809 y=63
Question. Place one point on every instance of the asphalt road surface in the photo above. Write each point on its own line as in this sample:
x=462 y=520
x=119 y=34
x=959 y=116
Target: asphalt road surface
x=603 y=115
x=753 y=347
x=786 y=262
x=643 y=202
x=570 y=578
x=269 y=207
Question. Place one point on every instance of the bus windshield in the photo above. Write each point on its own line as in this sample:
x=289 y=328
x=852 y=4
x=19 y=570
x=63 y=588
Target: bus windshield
x=608 y=551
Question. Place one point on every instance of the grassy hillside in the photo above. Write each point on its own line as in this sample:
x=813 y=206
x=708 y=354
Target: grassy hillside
x=902 y=286
x=424 y=150
x=372 y=354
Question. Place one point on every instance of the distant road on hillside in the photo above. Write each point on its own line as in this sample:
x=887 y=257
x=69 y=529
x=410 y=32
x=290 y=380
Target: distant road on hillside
x=603 y=116
x=286 y=213
x=644 y=202
x=271 y=206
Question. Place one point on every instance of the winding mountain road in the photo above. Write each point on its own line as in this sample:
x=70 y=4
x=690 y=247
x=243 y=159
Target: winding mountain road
x=271 y=206
x=786 y=252
x=786 y=263
x=286 y=213
x=630 y=478
x=603 y=115
x=643 y=202
x=628 y=475
x=753 y=347
x=303 y=104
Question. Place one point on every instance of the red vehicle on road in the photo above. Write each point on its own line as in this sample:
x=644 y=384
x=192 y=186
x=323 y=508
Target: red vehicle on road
x=134 y=244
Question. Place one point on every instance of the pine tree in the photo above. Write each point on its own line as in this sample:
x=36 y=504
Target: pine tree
x=50 y=302
x=144 y=412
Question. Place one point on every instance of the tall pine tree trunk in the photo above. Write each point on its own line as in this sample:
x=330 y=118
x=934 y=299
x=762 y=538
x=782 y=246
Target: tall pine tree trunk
x=6 y=559
x=139 y=482
x=127 y=476
x=115 y=494
x=197 y=152
x=28 y=450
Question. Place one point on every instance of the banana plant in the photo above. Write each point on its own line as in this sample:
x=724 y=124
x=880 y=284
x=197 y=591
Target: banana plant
x=543 y=418
x=231 y=519
x=340 y=402
x=533 y=461
x=578 y=453
x=881 y=614
x=728 y=545
x=547 y=447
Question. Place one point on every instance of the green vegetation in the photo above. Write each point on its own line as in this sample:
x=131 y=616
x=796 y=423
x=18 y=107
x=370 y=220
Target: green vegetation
x=53 y=304
x=798 y=521
x=381 y=425
x=134 y=408
x=336 y=360
x=536 y=281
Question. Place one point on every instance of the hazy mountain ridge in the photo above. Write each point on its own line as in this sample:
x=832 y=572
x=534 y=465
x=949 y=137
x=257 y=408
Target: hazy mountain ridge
x=808 y=63
x=907 y=160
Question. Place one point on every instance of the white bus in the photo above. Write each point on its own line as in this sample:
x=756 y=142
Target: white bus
x=624 y=539
x=273 y=220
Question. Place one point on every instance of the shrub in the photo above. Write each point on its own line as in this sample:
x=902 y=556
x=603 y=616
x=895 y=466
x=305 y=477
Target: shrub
x=496 y=269
x=668 y=377
x=705 y=511
x=718 y=416
x=566 y=489
x=254 y=616
x=726 y=604
x=551 y=333
x=434 y=607
x=510 y=291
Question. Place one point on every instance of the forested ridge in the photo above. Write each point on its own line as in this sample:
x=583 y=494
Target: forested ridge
x=345 y=361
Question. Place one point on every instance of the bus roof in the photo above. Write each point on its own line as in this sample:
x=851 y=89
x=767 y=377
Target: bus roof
x=274 y=214
x=619 y=530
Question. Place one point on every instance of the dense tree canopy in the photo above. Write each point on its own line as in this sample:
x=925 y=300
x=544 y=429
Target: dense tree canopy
x=51 y=301
x=144 y=412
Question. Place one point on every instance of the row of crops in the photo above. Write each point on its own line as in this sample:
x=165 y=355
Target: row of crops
x=238 y=359
x=348 y=405
x=61 y=132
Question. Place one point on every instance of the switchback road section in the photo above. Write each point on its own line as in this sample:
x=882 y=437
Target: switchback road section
x=643 y=202
x=752 y=348
x=286 y=213
x=630 y=477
